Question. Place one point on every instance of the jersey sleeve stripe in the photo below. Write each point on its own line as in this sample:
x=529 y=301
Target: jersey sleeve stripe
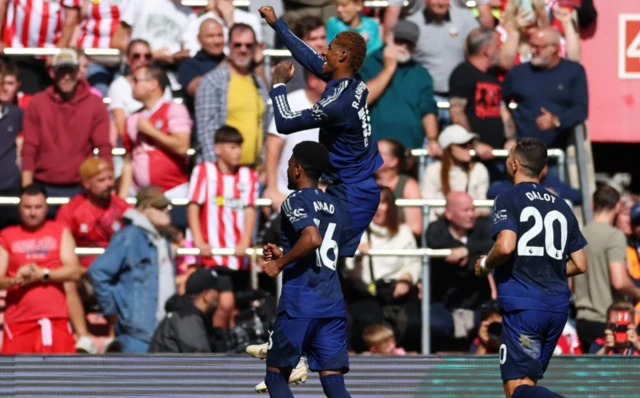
x=283 y=108
x=336 y=93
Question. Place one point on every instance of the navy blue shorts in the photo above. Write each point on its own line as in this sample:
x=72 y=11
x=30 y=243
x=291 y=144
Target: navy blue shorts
x=358 y=204
x=527 y=343
x=323 y=341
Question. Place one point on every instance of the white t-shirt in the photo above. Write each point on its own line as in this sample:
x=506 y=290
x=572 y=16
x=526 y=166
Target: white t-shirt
x=297 y=101
x=162 y=23
x=121 y=95
x=239 y=16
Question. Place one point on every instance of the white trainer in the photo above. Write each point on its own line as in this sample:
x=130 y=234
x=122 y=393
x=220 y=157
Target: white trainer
x=298 y=375
x=258 y=350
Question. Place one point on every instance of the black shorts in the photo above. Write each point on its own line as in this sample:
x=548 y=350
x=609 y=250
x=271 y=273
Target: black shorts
x=232 y=281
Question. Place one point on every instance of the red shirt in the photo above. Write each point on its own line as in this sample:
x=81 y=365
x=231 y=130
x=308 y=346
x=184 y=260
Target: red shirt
x=92 y=225
x=36 y=300
x=101 y=18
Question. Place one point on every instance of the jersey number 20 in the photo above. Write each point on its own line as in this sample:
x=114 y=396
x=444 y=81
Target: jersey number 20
x=538 y=226
x=322 y=253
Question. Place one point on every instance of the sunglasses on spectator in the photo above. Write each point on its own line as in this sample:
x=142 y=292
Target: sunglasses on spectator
x=162 y=208
x=249 y=46
x=146 y=56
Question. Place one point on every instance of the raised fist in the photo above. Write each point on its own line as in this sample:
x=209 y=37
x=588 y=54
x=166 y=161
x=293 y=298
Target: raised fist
x=268 y=14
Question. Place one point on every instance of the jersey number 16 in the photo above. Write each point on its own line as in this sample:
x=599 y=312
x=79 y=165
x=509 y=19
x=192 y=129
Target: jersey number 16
x=322 y=253
x=538 y=226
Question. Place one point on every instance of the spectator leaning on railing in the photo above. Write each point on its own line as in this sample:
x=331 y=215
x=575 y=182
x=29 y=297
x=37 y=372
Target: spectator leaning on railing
x=38 y=267
x=135 y=276
x=62 y=126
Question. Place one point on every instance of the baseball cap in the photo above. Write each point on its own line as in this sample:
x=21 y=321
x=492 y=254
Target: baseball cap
x=66 y=57
x=455 y=134
x=635 y=214
x=93 y=166
x=201 y=280
x=406 y=30
x=152 y=196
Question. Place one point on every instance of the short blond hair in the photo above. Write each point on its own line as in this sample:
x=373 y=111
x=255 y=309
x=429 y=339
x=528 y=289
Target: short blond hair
x=374 y=335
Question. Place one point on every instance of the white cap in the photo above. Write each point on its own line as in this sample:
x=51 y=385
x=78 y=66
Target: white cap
x=455 y=134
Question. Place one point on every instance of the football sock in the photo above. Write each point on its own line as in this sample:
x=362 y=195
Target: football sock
x=525 y=391
x=278 y=385
x=333 y=386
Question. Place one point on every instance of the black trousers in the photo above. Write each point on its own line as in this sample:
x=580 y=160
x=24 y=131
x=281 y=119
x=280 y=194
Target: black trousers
x=588 y=332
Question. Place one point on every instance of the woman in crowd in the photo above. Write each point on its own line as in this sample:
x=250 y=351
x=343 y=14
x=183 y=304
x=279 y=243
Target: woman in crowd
x=456 y=171
x=122 y=104
x=392 y=174
x=380 y=286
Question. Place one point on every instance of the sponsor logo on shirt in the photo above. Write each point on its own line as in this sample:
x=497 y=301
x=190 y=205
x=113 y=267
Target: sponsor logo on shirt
x=499 y=215
x=35 y=249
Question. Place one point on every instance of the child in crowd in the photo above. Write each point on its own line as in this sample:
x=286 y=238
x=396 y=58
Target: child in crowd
x=381 y=341
x=222 y=214
x=350 y=18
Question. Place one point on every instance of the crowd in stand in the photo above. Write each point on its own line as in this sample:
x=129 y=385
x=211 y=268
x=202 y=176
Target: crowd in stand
x=57 y=136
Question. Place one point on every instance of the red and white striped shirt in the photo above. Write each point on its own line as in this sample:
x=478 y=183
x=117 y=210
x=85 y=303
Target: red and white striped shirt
x=223 y=198
x=34 y=23
x=100 y=18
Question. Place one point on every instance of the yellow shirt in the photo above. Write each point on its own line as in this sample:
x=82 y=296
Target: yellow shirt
x=245 y=109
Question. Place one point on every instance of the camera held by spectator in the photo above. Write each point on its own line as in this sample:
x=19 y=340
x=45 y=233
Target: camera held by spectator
x=488 y=340
x=620 y=334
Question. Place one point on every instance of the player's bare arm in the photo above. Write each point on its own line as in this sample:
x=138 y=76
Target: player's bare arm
x=309 y=241
x=577 y=263
x=503 y=249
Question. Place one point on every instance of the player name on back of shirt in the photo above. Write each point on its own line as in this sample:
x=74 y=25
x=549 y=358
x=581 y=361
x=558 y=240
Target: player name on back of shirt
x=535 y=195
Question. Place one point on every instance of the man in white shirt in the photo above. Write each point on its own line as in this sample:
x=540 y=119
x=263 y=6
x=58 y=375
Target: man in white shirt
x=224 y=12
x=280 y=147
x=162 y=23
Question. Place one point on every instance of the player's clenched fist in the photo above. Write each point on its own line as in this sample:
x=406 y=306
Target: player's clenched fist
x=283 y=72
x=268 y=14
x=271 y=252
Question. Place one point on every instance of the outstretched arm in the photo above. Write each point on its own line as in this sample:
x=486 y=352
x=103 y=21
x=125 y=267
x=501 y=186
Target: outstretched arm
x=311 y=60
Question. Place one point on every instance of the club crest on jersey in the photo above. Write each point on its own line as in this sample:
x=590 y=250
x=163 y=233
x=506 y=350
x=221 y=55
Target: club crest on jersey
x=159 y=124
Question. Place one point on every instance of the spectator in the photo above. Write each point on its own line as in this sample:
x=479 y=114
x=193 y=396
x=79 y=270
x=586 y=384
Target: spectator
x=10 y=144
x=222 y=214
x=440 y=48
x=456 y=293
x=10 y=90
x=620 y=336
x=227 y=15
x=39 y=268
x=379 y=339
x=633 y=243
x=96 y=214
x=62 y=126
x=233 y=95
x=396 y=10
x=205 y=60
x=279 y=147
x=350 y=18
x=186 y=327
x=392 y=174
x=138 y=54
x=83 y=69
x=488 y=339
x=156 y=139
x=456 y=171
x=551 y=93
x=401 y=93
x=606 y=279
x=623 y=220
x=518 y=25
x=312 y=31
x=378 y=282
x=99 y=22
x=135 y=276
x=163 y=24
x=40 y=24
x=476 y=99
x=297 y=9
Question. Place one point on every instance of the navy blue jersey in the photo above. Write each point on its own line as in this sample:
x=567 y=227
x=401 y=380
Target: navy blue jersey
x=535 y=278
x=311 y=287
x=341 y=114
